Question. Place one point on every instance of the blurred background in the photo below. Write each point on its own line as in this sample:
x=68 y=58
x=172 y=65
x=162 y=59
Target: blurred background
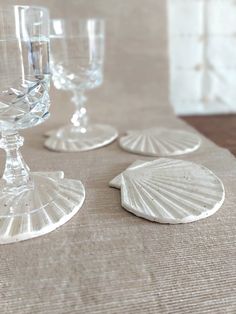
x=171 y=54
x=136 y=72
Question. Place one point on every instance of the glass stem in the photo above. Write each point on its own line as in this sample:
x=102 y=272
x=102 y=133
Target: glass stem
x=80 y=117
x=16 y=172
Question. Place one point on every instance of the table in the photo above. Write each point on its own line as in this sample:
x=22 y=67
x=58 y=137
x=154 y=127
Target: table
x=221 y=129
x=106 y=260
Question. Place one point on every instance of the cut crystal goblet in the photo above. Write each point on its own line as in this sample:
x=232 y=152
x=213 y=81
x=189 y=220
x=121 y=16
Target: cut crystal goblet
x=31 y=204
x=77 y=66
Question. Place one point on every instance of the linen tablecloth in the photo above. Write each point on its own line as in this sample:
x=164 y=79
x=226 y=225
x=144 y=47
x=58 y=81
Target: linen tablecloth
x=106 y=260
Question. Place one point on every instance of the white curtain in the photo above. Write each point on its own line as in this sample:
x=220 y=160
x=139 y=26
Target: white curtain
x=202 y=51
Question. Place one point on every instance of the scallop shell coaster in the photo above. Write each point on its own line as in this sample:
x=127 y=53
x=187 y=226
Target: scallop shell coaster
x=51 y=203
x=170 y=191
x=160 y=142
x=67 y=139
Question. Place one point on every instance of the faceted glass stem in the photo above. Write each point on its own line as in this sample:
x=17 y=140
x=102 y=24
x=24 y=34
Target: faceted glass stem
x=16 y=173
x=80 y=117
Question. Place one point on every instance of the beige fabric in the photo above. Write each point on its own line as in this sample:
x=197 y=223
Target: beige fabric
x=106 y=260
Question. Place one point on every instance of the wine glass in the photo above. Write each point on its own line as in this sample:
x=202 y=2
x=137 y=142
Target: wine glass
x=77 y=66
x=31 y=204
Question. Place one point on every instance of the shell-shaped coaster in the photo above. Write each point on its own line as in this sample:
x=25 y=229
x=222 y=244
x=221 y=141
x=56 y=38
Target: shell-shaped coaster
x=170 y=191
x=67 y=139
x=51 y=203
x=160 y=142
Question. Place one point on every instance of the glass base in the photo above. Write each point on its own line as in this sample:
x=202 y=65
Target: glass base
x=70 y=139
x=32 y=213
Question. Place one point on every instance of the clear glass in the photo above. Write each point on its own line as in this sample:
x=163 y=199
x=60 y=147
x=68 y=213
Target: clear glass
x=31 y=204
x=24 y=84
x=77 y=66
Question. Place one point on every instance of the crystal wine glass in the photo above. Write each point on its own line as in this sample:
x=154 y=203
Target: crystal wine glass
x=77 y=66
x=31 y=204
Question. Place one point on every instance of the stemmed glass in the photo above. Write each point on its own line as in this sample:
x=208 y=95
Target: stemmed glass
x=31 y=204
x=77 y=66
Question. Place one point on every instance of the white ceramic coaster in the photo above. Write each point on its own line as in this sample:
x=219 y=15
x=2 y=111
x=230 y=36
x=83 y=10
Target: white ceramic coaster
x=170 y=191
x=53 y=201
x=160 y=142
x=67 y=139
